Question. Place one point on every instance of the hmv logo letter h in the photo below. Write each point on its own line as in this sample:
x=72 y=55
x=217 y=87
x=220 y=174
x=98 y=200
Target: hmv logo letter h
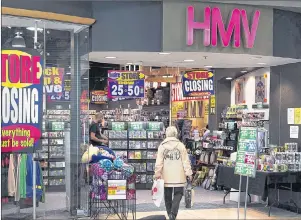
x=213 y=26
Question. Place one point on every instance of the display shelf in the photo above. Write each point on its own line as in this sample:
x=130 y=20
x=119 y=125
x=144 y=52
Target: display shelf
x=143 y=140
x=51 y=155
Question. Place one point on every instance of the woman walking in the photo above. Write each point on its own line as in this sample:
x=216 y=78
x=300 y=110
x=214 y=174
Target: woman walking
x=173 y=166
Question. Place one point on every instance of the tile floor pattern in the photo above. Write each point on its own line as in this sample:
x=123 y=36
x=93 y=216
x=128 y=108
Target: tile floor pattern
x=208 y=205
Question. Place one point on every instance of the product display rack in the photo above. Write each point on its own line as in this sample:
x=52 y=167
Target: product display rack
x=52 y=154
x=137 y=142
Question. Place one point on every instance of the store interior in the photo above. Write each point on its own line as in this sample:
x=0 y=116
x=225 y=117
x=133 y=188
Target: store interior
x=241 y=99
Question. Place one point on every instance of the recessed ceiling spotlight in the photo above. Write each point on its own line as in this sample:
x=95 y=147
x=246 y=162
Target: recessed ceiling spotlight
x=110 y=57
x=164 y=53
x=243 y=71
x=261 y=63
x=188 y=60
x=228 y=78
x=208 y=66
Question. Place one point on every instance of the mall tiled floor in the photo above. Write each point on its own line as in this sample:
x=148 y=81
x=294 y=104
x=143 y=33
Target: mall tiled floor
x=208 y=205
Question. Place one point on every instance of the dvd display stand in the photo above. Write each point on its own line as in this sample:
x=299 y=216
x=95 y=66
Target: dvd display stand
x=137 y=143
x=52 y=154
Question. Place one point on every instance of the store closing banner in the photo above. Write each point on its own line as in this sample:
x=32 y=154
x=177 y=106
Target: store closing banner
x=198 y=83
x=22 y=99
x=125 y=84
x=98 y=97
x=54 y=84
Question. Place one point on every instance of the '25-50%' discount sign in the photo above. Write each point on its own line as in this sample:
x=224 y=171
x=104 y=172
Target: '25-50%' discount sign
x=125 y=84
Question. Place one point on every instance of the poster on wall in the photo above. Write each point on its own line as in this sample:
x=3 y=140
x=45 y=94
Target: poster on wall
x=239 y=91
x=22 y=100
x=260 y=89
x=198 y=83
x=84 y=100
x=125 y=84
x=54 y=84
x=192 y=108
x=98 y=97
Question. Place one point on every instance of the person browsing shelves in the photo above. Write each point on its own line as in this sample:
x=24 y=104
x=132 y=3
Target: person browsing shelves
x=96 y=138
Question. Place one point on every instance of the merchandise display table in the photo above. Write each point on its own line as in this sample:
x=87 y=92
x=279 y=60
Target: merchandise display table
x=259 y=185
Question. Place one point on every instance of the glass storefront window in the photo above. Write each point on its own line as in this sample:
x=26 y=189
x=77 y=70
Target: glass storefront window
x=63 y=50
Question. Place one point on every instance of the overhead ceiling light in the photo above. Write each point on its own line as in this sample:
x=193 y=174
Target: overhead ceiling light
x=18 y=41
x=243 y=71
x=86 y=78
x=110 y=57
x=129 y=63
x=261 y=63
x=208 y=66
x=188 y=60
x=68 y=73
x=164 y=53
x=33 y=29
x=8 y=27
x=228 y=78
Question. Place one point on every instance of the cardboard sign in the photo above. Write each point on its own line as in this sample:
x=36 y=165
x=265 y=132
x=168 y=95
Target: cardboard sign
x=125 y=84
x=22 y=100
x=198 y=83
x=98 y=97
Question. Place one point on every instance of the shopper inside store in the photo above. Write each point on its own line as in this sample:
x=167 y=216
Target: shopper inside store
x=178 y=109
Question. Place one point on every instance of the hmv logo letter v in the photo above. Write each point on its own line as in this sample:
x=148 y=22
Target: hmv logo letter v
x=213 y=26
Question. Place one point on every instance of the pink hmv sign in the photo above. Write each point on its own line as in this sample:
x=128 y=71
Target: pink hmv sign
x=239 y=27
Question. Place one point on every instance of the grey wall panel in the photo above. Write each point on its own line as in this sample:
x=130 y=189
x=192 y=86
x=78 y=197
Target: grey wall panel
x=222 y=95
x=76 y=8
x=285 y=93
x=174 y=28
x=127 y=26
x=287 y=34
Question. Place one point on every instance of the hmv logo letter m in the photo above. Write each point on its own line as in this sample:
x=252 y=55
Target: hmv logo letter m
x=213 y=26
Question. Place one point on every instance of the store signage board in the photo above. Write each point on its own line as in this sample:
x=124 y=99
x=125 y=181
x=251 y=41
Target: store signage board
x=213 y=27
x=22 y=100
x=198 y=83
x=118 y=126
x=246 y=152
x=98 y=97
x=125 y=84
x=54 y=85
x=136 y=126
x=116 y=190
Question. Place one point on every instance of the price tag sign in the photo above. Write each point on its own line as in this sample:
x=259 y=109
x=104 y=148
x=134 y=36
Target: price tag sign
x=125 y=84
x=246 y=153
x=118 y=126
x=116 y=189
x=136 y=126
x=57 y=126
x=154 y=126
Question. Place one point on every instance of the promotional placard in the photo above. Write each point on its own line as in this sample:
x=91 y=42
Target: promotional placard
x=116 y=189
x=98 y=97
x=54 y=85
x=125 y=84
x=246 y=152
x=22 y=100
x=198 y=83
